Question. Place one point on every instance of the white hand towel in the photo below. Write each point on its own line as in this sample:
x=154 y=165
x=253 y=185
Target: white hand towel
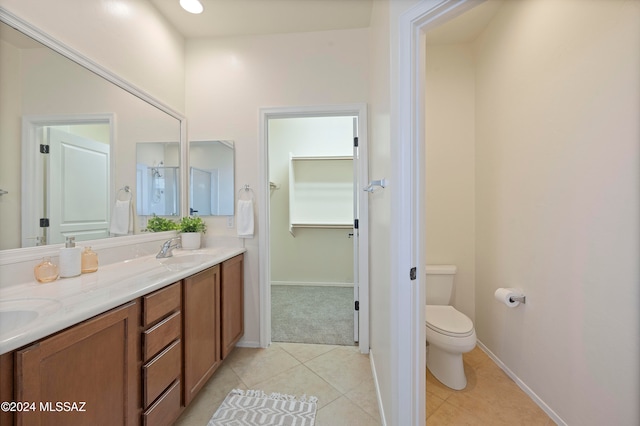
x=245 y=219
x=121 y=218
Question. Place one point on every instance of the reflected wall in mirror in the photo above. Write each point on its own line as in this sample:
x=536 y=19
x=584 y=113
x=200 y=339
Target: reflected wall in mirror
x=158 y=179
x=211 y=178
x=36 y=81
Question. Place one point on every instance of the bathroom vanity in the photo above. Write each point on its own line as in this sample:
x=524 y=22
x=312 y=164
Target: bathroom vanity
x=140 y=361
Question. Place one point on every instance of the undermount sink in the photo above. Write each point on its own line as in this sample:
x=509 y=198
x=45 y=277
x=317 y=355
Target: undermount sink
x=18 y=313
x=184 y=261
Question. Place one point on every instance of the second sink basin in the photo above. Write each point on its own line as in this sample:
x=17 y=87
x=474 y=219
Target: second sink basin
x=15 y=319
x=184 y=261
x=18 y=313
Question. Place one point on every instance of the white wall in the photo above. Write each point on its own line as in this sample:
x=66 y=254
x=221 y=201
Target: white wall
x=380 y=205
x=383 y=92
x=229 y=79
x=313 y=256
x=128 y=37
x=557 y=203
x=450 y=166
x=10 y=145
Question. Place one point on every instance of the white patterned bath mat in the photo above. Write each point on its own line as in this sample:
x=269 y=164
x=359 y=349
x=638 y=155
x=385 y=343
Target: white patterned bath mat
x=254 y=407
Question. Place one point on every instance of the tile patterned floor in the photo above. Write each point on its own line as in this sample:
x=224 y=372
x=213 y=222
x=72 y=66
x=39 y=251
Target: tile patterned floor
x=490 y=398
x=341 y=379
x=338 y=375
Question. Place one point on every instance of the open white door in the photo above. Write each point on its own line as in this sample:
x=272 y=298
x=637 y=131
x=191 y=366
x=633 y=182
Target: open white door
x=78 y=187
x=356 y=234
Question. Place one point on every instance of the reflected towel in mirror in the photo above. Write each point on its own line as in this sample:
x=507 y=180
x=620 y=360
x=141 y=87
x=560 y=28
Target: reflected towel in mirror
x=245 y=219
x=122 y=218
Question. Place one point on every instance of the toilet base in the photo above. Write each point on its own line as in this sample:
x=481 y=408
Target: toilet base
x=447 y=367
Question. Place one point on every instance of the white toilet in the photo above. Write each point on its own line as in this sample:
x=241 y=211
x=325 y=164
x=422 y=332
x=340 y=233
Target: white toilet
x=450 y=333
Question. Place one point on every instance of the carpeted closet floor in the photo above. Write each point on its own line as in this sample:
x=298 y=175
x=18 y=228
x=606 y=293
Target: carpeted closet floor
x=306 y=314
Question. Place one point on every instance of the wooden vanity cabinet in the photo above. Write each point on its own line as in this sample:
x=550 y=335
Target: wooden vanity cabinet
x=231 y=303
x=201 y=333
x=89 y=369
x=6 y=387
x=161 y=355
x=140 y=363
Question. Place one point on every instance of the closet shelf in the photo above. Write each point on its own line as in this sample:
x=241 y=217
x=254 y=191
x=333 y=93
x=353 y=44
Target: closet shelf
x=323 y=225
x=320 y=192
x=320 y=158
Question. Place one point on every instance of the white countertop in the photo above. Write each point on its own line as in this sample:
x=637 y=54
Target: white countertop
x=68 y=301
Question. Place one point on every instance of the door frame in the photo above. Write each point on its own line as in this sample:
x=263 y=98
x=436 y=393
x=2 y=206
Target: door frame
x=407 y=224
x=266 y=114
x=32 y=171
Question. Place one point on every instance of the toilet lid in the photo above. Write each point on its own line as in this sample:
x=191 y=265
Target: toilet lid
x=446 y=320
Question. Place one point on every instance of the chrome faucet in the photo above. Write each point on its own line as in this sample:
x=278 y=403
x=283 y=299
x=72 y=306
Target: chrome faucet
x=167 y=248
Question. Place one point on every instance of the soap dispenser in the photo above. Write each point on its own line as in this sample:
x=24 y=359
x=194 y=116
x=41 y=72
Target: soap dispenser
x=70 y=259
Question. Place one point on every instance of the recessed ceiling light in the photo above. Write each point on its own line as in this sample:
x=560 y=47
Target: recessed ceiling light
x=192 y=6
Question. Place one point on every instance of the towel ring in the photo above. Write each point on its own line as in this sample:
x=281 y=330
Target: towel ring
x=246 y=188
x=127 y=190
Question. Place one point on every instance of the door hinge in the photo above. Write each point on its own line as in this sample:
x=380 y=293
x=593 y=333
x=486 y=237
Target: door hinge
x=357 y=305
x=355 y=142
x=44 y=222
x=356 y=223
x=44 y=149
x=412 y=273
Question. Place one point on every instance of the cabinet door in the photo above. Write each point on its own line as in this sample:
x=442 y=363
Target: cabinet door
x=6 y=386
x=84 y=375
x=232 y=303
x=201 y=333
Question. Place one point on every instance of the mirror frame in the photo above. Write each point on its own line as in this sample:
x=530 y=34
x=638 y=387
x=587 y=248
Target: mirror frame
x=66 y=51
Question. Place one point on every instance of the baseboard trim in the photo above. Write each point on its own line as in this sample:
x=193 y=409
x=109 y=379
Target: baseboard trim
x=377 y=386
x=248 y=344
x=312 y=284
x=526 y=389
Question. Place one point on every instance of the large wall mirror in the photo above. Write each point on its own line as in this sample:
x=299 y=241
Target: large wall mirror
x=211 y=178
x=158 y=179
x=68 y=144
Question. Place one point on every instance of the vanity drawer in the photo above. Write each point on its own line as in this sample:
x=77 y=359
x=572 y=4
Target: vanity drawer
x=166 y=409
x=160 y=303
x=160 y=335
x=161 y=371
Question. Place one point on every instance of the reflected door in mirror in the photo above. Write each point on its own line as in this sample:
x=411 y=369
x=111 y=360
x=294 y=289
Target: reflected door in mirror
x=211 y=178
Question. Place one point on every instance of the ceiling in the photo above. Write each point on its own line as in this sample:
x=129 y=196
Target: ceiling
x=466 y=27
x=223 y=18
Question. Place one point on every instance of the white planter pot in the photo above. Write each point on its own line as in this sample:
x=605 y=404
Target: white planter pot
x=191 y=240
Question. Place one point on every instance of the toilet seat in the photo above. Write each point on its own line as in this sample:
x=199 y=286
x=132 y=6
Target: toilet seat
x=448 y=321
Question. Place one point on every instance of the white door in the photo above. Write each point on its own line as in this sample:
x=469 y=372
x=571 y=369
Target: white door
x=79 y=195
x=204 y=194
x=356 y=233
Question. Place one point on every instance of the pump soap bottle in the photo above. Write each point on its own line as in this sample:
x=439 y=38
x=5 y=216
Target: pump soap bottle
x=70 y=259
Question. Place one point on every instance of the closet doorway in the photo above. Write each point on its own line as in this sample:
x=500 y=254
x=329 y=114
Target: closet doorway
x=313 y=289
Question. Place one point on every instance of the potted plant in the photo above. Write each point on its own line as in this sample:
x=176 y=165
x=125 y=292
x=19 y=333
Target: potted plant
x=191 y=229
x=161 y=224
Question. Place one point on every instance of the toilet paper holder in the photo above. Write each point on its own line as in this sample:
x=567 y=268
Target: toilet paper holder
x=520 y=298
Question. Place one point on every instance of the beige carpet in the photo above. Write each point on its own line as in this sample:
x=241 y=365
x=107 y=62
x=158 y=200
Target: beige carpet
x=308 y=314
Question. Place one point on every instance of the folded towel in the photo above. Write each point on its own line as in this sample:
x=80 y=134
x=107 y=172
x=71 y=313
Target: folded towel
x=245 y=219
x=122 y=218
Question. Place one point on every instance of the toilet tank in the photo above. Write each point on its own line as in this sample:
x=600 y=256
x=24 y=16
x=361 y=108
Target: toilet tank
x=439 y=284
